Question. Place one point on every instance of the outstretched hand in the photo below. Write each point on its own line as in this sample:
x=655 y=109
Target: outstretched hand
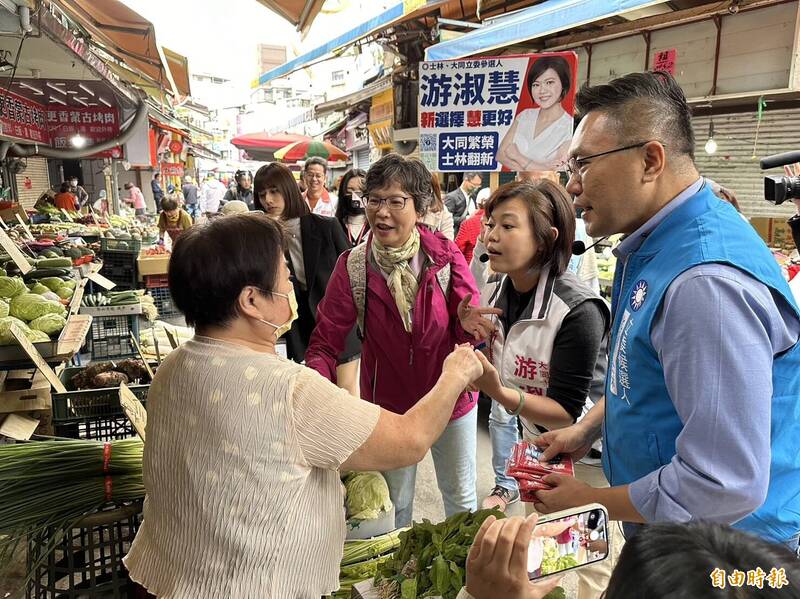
x=473 y=321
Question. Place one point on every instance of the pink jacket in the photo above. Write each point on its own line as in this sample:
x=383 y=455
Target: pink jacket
x=397 y=368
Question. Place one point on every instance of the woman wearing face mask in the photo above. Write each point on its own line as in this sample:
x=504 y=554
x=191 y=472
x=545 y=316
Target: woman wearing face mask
x=350 y=209
x=539 y=138
x=243 y=444
x=409 y=291
x=549 y=342
x=313 y=245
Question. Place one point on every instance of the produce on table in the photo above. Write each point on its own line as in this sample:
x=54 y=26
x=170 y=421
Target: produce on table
x=110 y=374
x=361 y=558
x=111 y=298
x=39 y=289
x=3 y=309
x=51 y=324
x=109 y=379
x=11 y=287
x=366 y=495
x=6 y=338
x=158 y=250
x=30 y=306
x=37 y=336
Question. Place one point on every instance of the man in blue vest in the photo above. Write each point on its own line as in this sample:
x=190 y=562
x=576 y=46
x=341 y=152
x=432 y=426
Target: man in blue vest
x=701 y=419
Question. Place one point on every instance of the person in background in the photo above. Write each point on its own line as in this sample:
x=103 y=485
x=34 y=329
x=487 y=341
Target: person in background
x=173 y=220
x=65 y=199
x=471 y=228
x=438 y=217
x=350 y=208
x=241 y=190
x=234 y=207
x=100 y=205
x=585 y=265
x=458 y=200
x=318 y=198
x=135 y=199
x=699 y=420
x=211 y=195
x=415 y=295
x=314 y=244
x=190 y=196
x=158 y=191
x=79 y=192
x=663 y=561
x=243 y=444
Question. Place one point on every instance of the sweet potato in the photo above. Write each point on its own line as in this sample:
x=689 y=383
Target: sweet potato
x=108 y=379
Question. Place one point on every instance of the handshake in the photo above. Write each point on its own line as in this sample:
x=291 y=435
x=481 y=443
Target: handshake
x=472 y=367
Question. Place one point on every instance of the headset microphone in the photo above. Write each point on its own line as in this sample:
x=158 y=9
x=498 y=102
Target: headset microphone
x=579 y=248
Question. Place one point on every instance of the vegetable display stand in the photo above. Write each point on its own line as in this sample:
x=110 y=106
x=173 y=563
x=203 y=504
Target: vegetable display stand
x=120 y=245
x=163 y=300
x=94 y=414
x=111 y=336
x=120 y=267
x=86 y=562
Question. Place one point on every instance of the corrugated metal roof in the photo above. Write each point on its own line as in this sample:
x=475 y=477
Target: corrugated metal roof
x=733 y=165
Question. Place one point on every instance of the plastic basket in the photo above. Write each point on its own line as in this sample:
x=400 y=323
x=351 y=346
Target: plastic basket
x=92 y=413
x=86 y=562
x=163 y=300
x=120 y=245
x=151 y=281
x=121 y=268
x=110 y=336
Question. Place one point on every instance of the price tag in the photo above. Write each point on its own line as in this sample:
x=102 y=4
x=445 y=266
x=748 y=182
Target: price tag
x=67 y=216
x=96 y=277
x=172 y=337
x=25 y=227
x=77 y=298
x=141 y=355
x=133 y=409
x=17 y=256
x=37 y=359
x=19 y=427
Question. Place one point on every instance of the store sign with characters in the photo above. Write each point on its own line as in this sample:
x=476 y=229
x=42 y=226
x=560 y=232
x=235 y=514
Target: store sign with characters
x=511 y=113
x=95 y=124
x=23 y=119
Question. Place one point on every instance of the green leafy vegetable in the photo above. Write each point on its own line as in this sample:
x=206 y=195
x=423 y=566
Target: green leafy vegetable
x=3 y=309
x=12 y=287
x=30 y=306
x=367 y=495
x=6 y=338
x=49 y=324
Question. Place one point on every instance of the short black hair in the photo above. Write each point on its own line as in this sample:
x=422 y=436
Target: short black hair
x=168 y=204
x=343 y=208
x=277 y=176
x=212 y=263
x=643 y=106
x=156 y=175
x=559 y=64
x=469 y=175
x=64 y=187
x=409 y=173
x=548 y=206
x=316 y=160
x=670 y=561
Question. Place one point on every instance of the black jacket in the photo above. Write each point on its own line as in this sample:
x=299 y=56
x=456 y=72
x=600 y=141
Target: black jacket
x=322 y=241
x=457 y=203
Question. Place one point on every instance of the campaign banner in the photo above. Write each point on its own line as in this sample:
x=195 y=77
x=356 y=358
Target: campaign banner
x=512 y=113
x=22 y=118
x=96 y=124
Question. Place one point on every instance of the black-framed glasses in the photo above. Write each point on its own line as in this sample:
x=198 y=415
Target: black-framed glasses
x=573 y=165
x=393 y=203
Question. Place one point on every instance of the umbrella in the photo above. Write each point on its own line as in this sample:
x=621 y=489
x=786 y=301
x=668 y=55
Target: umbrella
x=261 y=146
x=301 y=150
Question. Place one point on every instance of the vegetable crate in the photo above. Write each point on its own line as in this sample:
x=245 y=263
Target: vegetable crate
x=86 y=562
x=151 y=281
x=94 y=414
x=120 y=267
x=163 y=300
x=110 y=336
x=121 y=245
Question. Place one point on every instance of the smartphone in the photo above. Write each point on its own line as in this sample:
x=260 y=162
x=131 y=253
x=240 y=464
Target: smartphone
x=568 y=540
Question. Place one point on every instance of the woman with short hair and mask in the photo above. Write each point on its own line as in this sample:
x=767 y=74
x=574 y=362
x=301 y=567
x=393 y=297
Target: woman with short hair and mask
x=242 y=190
x=350 y=209
x=243 y=444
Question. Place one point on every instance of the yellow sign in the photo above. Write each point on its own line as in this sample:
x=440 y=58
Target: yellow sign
x=410 y=6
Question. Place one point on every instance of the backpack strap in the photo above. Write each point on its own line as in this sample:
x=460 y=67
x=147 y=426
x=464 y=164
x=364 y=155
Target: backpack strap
x=357 y=272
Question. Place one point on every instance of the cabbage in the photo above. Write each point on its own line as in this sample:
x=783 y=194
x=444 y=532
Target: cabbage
x=64 y=292
x=37 y=336
x=6 y=338
x=3 y=309
x=52 y=283
x=30 y=306
x=12 y=286
x=39 y=289
x=49 y=323
x=367 y=495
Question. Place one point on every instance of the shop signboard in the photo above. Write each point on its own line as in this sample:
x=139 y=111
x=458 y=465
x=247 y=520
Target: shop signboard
x=172 y=169
x=22 y=118
x=511 y=113
x=664 y=60
x=95 y=124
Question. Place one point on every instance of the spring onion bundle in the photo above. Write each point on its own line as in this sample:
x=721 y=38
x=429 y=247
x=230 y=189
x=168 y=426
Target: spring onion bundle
x=361 y=558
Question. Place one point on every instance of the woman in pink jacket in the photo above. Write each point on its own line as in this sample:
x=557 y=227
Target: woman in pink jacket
x=409 y=291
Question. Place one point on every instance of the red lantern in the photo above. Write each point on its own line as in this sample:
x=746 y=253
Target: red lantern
x=175 y=146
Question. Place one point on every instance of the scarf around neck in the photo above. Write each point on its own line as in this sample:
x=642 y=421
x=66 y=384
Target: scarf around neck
x=396 y=263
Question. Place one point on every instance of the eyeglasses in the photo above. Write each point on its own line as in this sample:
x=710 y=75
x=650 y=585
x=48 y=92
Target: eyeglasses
x=394 y=203
x=315 y=176
x=574 y=165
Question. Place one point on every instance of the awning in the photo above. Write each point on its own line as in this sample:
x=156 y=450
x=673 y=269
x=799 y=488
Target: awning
x=203 y=152
x=349 y=100
x=179 y=69
x=395 y=15
x=166 y=122
x=298 y=13
x=123 y=33
x=531 y=23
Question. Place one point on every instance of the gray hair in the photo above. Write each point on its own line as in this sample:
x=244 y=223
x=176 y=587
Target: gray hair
x=409 y=173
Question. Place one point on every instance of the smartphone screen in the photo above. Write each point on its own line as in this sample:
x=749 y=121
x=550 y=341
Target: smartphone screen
x=568 y=543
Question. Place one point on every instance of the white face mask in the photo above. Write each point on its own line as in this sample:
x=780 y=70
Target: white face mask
x=281 y=330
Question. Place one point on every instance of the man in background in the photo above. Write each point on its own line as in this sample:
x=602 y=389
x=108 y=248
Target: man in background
x=158 y=191
x=190 y=195
x=458 y=200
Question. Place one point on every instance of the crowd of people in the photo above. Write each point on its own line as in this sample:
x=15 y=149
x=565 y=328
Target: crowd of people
x=354 y=330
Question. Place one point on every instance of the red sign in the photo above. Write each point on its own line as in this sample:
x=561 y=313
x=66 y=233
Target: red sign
x=175 y=146
x=96 y=124
x=664 y=60
x=172 y=169
x=23 y=118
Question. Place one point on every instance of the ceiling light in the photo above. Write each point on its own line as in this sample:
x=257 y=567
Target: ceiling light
x=57 y=101
x=86 y=89
x=711 y=145
x=36 y=90
x=78 y=140
x=53 y=87
x=79 y=101
x=104 y=101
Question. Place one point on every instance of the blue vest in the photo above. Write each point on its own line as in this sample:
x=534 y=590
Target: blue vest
x=641 y=424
